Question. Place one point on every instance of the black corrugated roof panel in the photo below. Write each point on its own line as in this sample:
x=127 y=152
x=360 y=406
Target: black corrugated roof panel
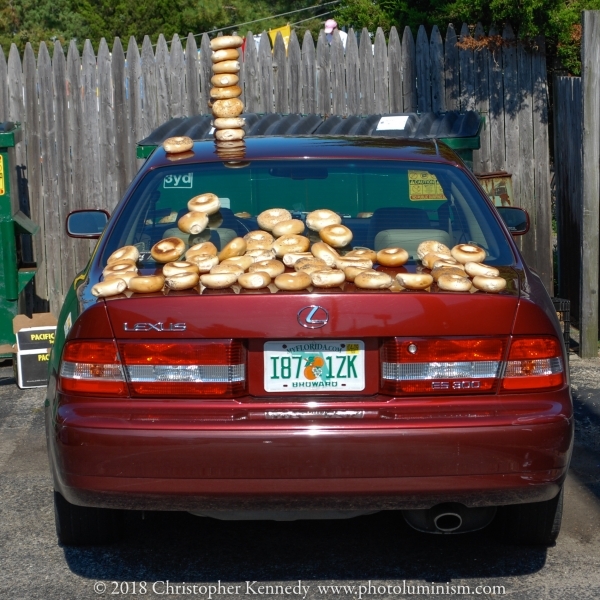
x=407 y=125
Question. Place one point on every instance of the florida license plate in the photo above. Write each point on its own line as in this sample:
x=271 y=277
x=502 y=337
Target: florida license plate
x=302 y=366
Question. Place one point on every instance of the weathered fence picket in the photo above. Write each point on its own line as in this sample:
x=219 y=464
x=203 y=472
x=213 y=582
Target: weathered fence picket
x=82 y=116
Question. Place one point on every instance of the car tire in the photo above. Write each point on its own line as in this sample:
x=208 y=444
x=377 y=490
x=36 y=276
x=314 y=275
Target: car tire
x=537 y=523
x=84 y=525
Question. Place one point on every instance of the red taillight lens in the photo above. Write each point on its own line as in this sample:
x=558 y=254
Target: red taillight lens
x=441 y=366
x=215 y=368
x=534 y=363
x=92 y=368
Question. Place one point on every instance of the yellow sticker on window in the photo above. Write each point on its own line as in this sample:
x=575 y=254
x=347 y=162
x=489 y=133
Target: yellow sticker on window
x=2 y=185
x=422 y=185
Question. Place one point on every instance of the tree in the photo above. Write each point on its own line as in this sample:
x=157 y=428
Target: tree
x=558 y=20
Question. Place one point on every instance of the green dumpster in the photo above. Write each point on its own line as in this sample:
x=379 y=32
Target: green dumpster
x=14 y=276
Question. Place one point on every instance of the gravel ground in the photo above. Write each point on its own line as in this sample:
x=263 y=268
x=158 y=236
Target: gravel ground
x=380 y=548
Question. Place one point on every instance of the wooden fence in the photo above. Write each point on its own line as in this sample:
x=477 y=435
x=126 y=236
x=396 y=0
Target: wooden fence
x=568 y=183
x=82 y=115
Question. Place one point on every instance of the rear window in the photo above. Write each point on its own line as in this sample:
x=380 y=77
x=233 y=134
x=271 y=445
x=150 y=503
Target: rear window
x=384 y=203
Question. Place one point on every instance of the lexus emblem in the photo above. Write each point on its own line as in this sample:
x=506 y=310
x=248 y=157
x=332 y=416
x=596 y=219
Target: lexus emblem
x=313 y=317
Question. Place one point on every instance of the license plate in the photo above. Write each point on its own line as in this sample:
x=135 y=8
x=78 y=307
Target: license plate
x=299 y=366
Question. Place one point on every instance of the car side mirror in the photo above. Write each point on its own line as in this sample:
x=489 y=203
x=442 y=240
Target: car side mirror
x=88 y=224
x=516 y=219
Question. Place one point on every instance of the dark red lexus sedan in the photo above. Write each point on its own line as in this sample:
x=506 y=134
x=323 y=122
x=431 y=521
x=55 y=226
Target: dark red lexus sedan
x=452 y=407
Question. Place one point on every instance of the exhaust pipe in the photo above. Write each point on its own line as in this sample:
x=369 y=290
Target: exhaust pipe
x=450 y=517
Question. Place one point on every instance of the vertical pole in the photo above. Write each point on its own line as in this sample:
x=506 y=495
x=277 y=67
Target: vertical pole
x=590 y=80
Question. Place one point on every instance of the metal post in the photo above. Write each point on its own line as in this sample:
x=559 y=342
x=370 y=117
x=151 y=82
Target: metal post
x=590 y=247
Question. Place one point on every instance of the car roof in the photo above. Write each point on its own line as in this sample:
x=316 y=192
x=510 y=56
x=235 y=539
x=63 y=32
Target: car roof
x=315 y=147
x=406 y=136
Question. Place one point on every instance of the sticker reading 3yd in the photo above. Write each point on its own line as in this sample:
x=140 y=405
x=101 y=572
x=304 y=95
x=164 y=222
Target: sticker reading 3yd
x=2 y=185
x=302 y=366
x=185 y=181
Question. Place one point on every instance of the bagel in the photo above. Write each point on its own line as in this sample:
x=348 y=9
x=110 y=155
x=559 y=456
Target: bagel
x=146 y=284
x=317 y=219
x=325 y=252
x=207 y=203
x=193 y=222
x=260 y=253
x=236 y=247
x=221 y=93
x=226 y=41
x=243 y=262
x=125 y=276
x=293 y=281
x=124 y=253
x=373 y=280
x=465 y=253
x=454 y=283
x=337 y=236
x=392 y=257
x=229 y=134
x=173 y=268
x=255 y=280
x=203 y=262
x=120 y=267
x=231 y=107
x=446 y=262
x=290 y=243
x=224 y=80
x=225 y=54
x=474 y=269
x=231 y=123
x=328 y=278
x=227 y=66
x=489 y=284
x=239 y=145
x=218 y=281
x=414 y=281
x=432 y=246
x=431 y=258
x=177 y=144
x=258 y=239
x=182 y=281
x=290 y=259
x=343 y=262
x=352 y=271
x=110 y=287
x=272 y=267
x=310 y=263
x=242 y=215
x=168 y=250
x=291 y=227
x=362 y=253
x=227 y=268
x=439 y=271
x=270 y=217
x=202 y=248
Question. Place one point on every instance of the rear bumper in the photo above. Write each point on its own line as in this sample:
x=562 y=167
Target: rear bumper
x=160 y=464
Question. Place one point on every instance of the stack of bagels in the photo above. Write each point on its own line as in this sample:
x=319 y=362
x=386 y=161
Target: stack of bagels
x=281 y=255
x=225 y=93
x=460 y=269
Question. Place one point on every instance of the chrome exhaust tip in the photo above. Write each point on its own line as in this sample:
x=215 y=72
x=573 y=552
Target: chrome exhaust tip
x=450 y=517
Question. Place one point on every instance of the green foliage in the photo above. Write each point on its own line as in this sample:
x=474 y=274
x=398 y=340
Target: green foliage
x=23 y=21
x=558 y=20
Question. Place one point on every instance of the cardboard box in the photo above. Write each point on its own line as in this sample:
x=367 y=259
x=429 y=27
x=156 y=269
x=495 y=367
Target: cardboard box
x=35 y=338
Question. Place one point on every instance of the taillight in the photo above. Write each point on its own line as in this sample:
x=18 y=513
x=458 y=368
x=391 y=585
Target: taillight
x=215 y=368
x=92 y=368
x=534 y=363
x=441 y=366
